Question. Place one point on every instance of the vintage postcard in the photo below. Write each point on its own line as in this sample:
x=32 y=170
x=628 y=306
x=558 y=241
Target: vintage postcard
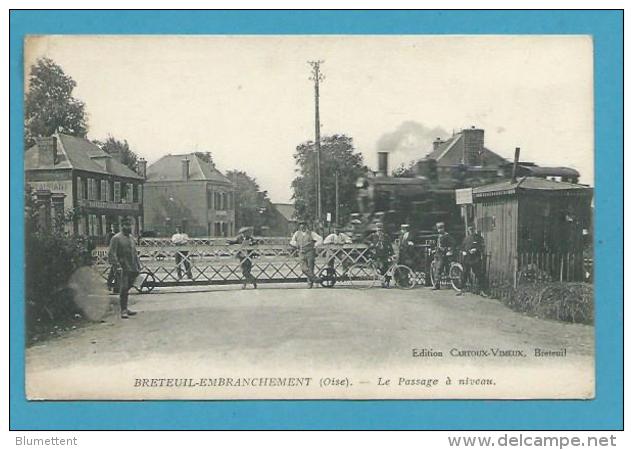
x=309 y=217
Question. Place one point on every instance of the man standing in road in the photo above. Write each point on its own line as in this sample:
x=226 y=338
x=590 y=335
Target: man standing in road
x=180 y=239
x=245 y=239
x=123 y=256
x=306 y=241
x=473 y=251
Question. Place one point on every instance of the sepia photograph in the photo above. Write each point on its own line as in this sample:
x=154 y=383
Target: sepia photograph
x=309 y=217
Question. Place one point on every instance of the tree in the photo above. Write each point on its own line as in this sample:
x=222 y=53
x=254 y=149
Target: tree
x=405 y=171
x=252 y=205
x=337 y=157
x=112 y=146
x=206 y=157
x=49 y=105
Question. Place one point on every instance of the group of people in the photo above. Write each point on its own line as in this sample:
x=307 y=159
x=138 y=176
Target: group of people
x=124 y=259
x=472 y=248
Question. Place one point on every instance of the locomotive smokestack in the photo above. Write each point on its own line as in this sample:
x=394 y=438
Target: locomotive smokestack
x=383 y=163
x=517 y=152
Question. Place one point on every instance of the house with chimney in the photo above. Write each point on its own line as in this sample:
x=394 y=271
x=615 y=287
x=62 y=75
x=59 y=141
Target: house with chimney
x=464 y=158
x=74 y=174
x=465 y=147
x=186 y=191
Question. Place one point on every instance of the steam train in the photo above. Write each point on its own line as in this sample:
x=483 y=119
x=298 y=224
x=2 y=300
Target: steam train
x=428 y=195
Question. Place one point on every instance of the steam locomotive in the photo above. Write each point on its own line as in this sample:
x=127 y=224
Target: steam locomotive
x=428 y=196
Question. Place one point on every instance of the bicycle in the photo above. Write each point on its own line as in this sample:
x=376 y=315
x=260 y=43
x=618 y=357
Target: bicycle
x=452 y=273
x=367 y=275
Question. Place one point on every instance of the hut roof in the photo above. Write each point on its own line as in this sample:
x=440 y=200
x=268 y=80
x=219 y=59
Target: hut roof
x=529 y=184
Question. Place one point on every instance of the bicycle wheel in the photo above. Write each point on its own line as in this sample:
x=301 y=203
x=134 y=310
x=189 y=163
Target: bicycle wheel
x=403 y=277
x=455 y=274
x=363 y=276
x=327 y=277
x=147 y=283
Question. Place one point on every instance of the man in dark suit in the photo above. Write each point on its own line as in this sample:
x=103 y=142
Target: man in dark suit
x=123 y=256
x=473 y=253
x=443 y=250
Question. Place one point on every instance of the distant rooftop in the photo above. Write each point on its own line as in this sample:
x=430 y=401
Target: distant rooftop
x=287 y=210
x=169 y=168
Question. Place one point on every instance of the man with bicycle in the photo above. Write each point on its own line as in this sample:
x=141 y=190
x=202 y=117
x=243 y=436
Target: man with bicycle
x=443 y=250
x=406 y=246
x=382 y=248
x=472 y=252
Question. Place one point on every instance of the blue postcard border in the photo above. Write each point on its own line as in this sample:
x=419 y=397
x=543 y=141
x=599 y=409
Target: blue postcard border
x=604 y=412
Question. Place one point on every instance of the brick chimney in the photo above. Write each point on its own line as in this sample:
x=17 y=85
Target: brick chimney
x=473 y=146
x=383 y=163
x=47 y=150
x=436 y=143
x=142 y=168
x=185 y=169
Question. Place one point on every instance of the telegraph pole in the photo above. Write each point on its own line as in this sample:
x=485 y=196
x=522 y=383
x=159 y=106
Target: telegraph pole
x=336 y=222
x=317 y=77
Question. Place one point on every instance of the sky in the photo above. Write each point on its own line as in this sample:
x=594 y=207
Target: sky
x=249 y=100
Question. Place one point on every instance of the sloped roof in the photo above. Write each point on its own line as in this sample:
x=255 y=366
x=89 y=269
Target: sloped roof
x=78 y=153
x=287 y=210
x=450 y=153
x=169 y=168
x=444 y=147
x=528 y=184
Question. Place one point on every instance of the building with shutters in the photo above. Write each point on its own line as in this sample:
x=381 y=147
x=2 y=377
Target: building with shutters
x=186 y=191
x=81 y=177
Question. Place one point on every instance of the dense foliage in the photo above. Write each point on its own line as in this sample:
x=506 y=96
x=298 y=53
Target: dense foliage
x=338 y=157
x=51 y=257
x=49 y=105
x=252 y=205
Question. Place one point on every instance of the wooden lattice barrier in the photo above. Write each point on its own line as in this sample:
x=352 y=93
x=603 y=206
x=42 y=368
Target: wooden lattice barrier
x=212 y=261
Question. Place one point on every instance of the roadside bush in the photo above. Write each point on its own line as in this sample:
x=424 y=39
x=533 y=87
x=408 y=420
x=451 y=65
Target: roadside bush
x=567 y=302
x=50 y=260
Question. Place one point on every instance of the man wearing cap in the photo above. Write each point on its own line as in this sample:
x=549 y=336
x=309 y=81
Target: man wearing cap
x=245 y=239
x=306 y=241
x=382 y=249
x=473 y=251
x=444 y=248
x=123 y=256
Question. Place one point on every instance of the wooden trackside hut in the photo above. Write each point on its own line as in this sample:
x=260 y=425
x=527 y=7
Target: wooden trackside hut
x=533 y=223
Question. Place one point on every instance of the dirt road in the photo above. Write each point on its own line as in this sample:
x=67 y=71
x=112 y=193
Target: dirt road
x=280 y=330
